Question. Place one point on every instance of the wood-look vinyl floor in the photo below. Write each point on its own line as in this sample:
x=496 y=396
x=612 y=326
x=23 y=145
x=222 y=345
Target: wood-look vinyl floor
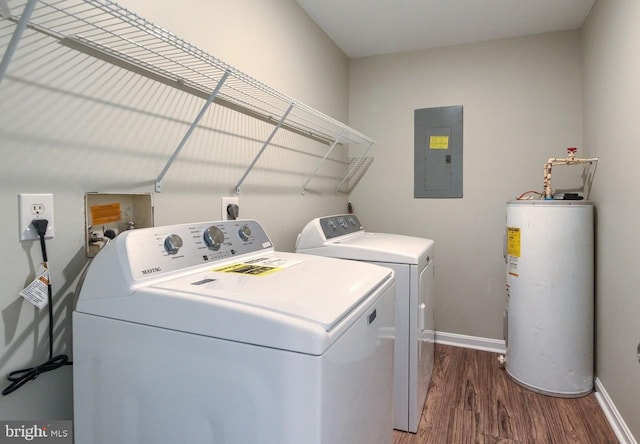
x=472 y=400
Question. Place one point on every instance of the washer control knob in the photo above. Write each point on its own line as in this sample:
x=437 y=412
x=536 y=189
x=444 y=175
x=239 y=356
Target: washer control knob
x=332 y=225
x=244 y=232
x=352 y=221
x=213 y=238
x=172 y=243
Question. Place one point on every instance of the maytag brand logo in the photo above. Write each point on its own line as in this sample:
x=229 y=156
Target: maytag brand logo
x=29 y=431
x=151 y=270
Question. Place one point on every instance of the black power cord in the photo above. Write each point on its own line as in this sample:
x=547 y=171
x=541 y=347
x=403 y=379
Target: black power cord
x=19 y=378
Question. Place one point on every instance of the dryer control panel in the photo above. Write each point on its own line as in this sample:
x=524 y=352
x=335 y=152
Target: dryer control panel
x=158 y=250
x=339 y=225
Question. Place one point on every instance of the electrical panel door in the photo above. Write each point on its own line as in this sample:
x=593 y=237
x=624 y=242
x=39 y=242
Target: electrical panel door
x=438 y=152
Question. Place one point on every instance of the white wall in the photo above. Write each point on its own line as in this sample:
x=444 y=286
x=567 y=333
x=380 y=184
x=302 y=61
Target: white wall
x=73 y=124
x=611 y=67
x=522 y=104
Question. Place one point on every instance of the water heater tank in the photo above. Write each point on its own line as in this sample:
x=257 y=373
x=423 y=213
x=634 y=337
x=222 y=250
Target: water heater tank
x=550 y=304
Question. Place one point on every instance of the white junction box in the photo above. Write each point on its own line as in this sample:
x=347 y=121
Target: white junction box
x=32 y=207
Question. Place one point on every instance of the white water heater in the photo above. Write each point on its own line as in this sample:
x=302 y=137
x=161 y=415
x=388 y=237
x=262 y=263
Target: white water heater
x=550 y=305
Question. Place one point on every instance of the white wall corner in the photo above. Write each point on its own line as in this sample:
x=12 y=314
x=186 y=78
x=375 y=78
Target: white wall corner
x=616 y=421
x=475 y=342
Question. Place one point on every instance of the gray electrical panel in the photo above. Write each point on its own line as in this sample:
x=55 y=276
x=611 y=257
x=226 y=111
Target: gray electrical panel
x=438 y=152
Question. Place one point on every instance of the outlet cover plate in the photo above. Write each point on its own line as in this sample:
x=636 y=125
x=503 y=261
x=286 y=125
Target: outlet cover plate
x=225 y=202
x=35 y=206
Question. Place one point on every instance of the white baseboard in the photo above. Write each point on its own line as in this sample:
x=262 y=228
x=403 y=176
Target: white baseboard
x=475 y=342
x=616 y=422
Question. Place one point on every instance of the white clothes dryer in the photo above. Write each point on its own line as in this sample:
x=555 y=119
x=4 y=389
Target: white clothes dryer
x=413 y=260
x=202 y=333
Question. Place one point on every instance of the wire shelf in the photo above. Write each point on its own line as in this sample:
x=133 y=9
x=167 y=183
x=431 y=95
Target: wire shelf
x=110 y=32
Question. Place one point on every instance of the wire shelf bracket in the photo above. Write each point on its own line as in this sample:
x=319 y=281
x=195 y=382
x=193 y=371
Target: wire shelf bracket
x=17 y=34
x=264 y=147
x=306 y=182
x=193 y=126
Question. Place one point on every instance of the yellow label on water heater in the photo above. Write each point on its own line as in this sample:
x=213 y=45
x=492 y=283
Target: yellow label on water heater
x=513 y=241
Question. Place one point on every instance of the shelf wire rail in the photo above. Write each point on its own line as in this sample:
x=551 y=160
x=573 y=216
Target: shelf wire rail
x=110 y=32
x=358 y=166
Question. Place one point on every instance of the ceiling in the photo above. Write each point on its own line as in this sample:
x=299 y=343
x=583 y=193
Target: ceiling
x=371 y=27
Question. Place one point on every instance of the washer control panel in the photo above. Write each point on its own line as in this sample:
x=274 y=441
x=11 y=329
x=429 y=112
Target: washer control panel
x=339 y=225
x=158 y=250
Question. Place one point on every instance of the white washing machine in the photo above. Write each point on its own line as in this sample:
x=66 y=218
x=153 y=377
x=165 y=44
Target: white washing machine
x=202 y=333
x=412 y=259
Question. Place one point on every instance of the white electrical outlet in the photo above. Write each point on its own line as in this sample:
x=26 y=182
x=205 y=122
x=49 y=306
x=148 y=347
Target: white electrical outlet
x=35 y=206
x=226 y=201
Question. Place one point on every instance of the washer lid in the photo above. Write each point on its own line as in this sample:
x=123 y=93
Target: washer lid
x=302 y=304
x=307 y=288
x=378 y=247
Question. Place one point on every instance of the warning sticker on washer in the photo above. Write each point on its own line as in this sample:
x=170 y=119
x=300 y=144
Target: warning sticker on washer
x=258 y=267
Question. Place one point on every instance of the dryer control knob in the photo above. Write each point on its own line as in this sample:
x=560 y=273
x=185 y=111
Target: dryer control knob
x=213 y=237
x=244 y=232
x=172 y=243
